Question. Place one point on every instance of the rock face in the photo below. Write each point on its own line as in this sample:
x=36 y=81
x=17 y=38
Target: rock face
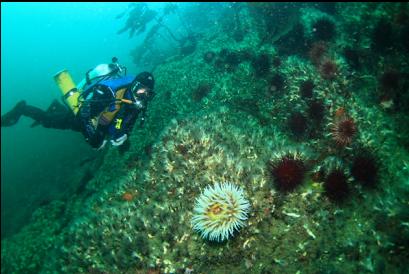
x=135 y=214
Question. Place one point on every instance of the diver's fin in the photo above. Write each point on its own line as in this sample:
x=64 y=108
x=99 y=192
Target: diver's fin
x=12 y=117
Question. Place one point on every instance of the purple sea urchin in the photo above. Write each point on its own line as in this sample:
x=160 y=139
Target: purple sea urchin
x=288 y=172
x=201 y=91
x=276 y=83
x=316 y=110
x=336 y=185
x=297 y=123
x=389 y=80
x=277 y=61
x=261 y=65
x=364 y=169
x=306 y=88
x=382 y=35
x=227 y=60
x=219 y=210
x=353 y=57
x=324 y=29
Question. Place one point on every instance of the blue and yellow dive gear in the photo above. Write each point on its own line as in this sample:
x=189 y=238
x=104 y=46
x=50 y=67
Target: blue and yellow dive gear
x=72 y=92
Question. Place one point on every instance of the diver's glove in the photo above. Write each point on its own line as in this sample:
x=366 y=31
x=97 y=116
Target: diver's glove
x=119 y=141
x=96 y=139
x=102 y=145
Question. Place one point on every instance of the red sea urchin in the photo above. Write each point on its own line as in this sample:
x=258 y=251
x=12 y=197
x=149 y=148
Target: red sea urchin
x=343 y=130
x=288 y=172
x=336 y=185
x=317 y=52
x=328 y=69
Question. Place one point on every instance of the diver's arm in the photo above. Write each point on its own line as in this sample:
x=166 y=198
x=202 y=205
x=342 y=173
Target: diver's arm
x=95 y=102
x=93 y=135
x=122 y=124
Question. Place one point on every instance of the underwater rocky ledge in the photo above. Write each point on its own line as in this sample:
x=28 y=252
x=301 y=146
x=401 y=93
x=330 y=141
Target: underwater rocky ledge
x=312 y=125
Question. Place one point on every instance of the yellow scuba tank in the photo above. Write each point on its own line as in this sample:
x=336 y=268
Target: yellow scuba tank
x=68 y=89
x=71 y=91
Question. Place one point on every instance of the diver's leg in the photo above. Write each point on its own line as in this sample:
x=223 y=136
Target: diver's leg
x=56 y=116
x=35 y=113
x=12 y=117
x=51 y=118
x=60 y=120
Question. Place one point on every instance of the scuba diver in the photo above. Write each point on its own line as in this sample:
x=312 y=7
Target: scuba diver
x=104 y=106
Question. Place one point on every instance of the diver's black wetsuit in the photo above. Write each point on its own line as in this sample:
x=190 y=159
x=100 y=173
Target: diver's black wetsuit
x=59 y=116
x=110 y=108
x=56 y=116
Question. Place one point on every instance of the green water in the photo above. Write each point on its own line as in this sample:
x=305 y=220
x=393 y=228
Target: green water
x=302 y=106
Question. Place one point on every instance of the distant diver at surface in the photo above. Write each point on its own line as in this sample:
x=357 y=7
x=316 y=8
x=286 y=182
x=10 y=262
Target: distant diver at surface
x=104 y=106
x=140 y=16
